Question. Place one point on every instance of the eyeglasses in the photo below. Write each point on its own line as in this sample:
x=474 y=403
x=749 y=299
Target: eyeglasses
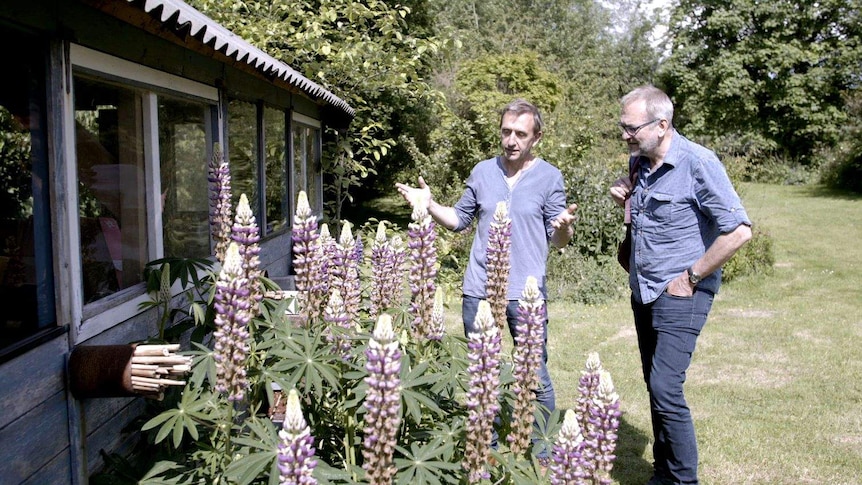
x=633 y=130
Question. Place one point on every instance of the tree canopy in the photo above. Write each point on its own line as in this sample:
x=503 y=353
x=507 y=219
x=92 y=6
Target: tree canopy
x=773 y=74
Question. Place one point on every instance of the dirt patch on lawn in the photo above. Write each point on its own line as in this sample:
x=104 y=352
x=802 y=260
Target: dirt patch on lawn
x=749 y=313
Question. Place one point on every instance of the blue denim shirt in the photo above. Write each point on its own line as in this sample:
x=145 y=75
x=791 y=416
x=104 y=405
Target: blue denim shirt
x=677 y=213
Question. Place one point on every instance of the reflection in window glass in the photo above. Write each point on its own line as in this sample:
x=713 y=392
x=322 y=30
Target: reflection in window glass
x=242 y=152
x=306 y=164
x=183 y=159
x=112 y=188
x=26 y=278
x=276 y=184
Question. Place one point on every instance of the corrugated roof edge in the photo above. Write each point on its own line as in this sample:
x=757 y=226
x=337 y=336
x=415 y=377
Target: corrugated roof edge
x=213 y=34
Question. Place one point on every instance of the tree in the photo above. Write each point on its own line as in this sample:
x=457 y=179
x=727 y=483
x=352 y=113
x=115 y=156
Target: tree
x=770 y=73
x=371 y=53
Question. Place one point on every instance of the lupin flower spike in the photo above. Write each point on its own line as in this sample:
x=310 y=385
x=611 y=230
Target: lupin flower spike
x=246 y=233
x=568 y=467
x=423 y=268
x=484 y=347
x=307 y=260
x=498 y=264
x=220 y=215
x=232 y=304
x=527 y=360
x=382 y=403
x=296 y=446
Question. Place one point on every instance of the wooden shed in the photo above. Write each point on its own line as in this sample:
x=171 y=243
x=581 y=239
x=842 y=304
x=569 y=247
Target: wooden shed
x=109 y=111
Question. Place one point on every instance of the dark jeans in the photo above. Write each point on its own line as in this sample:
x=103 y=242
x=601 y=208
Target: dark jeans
x=667 y=331
x=545 y=395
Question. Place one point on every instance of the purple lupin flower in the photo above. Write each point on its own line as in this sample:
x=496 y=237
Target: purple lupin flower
x=307 y=259
x=344 y=273
x=337 y=325
x=608 y=421
x=423 y=267
x=497 y=263
x=380 y=262
x=296 y=446
x=382 y=403
x=218 y=176
x=233 y=312
x=247 y=235
x=527 y=360
x=394 y=282
x=327 y=250
x=598 y=415
x=484 y=347
x=567 y=467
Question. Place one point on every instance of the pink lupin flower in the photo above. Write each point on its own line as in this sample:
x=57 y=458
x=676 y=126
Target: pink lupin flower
x=423 y=267
x=484 y=347
x=233 y=312
x=296 y=446
x=307 y=259
x=218 y=176
x=382 y=403
x=567 y=467
x=527 y=360
x=497 y=263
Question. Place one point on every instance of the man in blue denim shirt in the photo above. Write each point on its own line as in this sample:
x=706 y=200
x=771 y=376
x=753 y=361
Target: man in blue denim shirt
x=533 y=191
x=686 y=222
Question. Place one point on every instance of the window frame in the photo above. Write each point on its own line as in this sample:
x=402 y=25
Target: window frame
x=299 y=119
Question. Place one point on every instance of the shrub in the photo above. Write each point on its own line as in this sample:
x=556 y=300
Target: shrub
x=756 y=257
x=590 y=280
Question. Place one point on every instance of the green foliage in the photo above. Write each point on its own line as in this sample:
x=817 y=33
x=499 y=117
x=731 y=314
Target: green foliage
x=371 y=54
x=843 y=163
x=195 y=279
x=772 y=71
x=573 y=277
x=756 y=257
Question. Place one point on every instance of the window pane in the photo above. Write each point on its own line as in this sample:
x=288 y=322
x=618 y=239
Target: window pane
x=299 y=152
x=242 y=152
x=313 y=173
x=112 y=189
x=183 y=159
x=26 y=277
x=276 y=184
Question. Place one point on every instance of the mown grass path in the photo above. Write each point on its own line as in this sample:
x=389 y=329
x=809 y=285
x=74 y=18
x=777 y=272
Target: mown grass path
x=776 y=382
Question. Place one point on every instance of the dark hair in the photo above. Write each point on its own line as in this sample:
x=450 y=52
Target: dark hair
x=521 y=106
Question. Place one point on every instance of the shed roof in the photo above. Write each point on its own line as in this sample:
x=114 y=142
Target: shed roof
x=178 y=16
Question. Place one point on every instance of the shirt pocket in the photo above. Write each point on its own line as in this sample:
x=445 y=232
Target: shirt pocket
x=660 y=207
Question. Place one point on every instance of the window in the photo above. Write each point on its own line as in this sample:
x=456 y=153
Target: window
x=142 y=142
x=112 y=204
x=183 y=153
x=275 y=126
x=243 y=152
x=26 y=254
x=306 y=161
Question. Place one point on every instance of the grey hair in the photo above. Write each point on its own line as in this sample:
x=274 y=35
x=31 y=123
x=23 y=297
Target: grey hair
x=658 y=104
x=521 y=106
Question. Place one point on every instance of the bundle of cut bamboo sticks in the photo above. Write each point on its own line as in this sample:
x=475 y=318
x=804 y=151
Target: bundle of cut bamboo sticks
x=156 y=366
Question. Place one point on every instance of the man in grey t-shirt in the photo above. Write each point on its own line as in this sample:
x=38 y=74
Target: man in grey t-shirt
x=536 y=200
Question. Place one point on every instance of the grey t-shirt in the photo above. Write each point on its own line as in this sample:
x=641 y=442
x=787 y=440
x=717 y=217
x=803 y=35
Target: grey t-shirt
x=535 y=199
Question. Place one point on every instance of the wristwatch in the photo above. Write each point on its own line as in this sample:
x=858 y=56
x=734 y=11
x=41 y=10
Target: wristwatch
x=693 y=277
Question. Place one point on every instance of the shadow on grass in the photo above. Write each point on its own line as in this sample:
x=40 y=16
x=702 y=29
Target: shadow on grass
x=630 y=468
x=822 y=191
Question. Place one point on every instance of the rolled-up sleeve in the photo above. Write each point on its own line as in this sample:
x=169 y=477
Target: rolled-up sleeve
x=716 y=196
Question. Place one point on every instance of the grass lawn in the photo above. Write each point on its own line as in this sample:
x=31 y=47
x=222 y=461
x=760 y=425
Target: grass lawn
x=776 y=382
